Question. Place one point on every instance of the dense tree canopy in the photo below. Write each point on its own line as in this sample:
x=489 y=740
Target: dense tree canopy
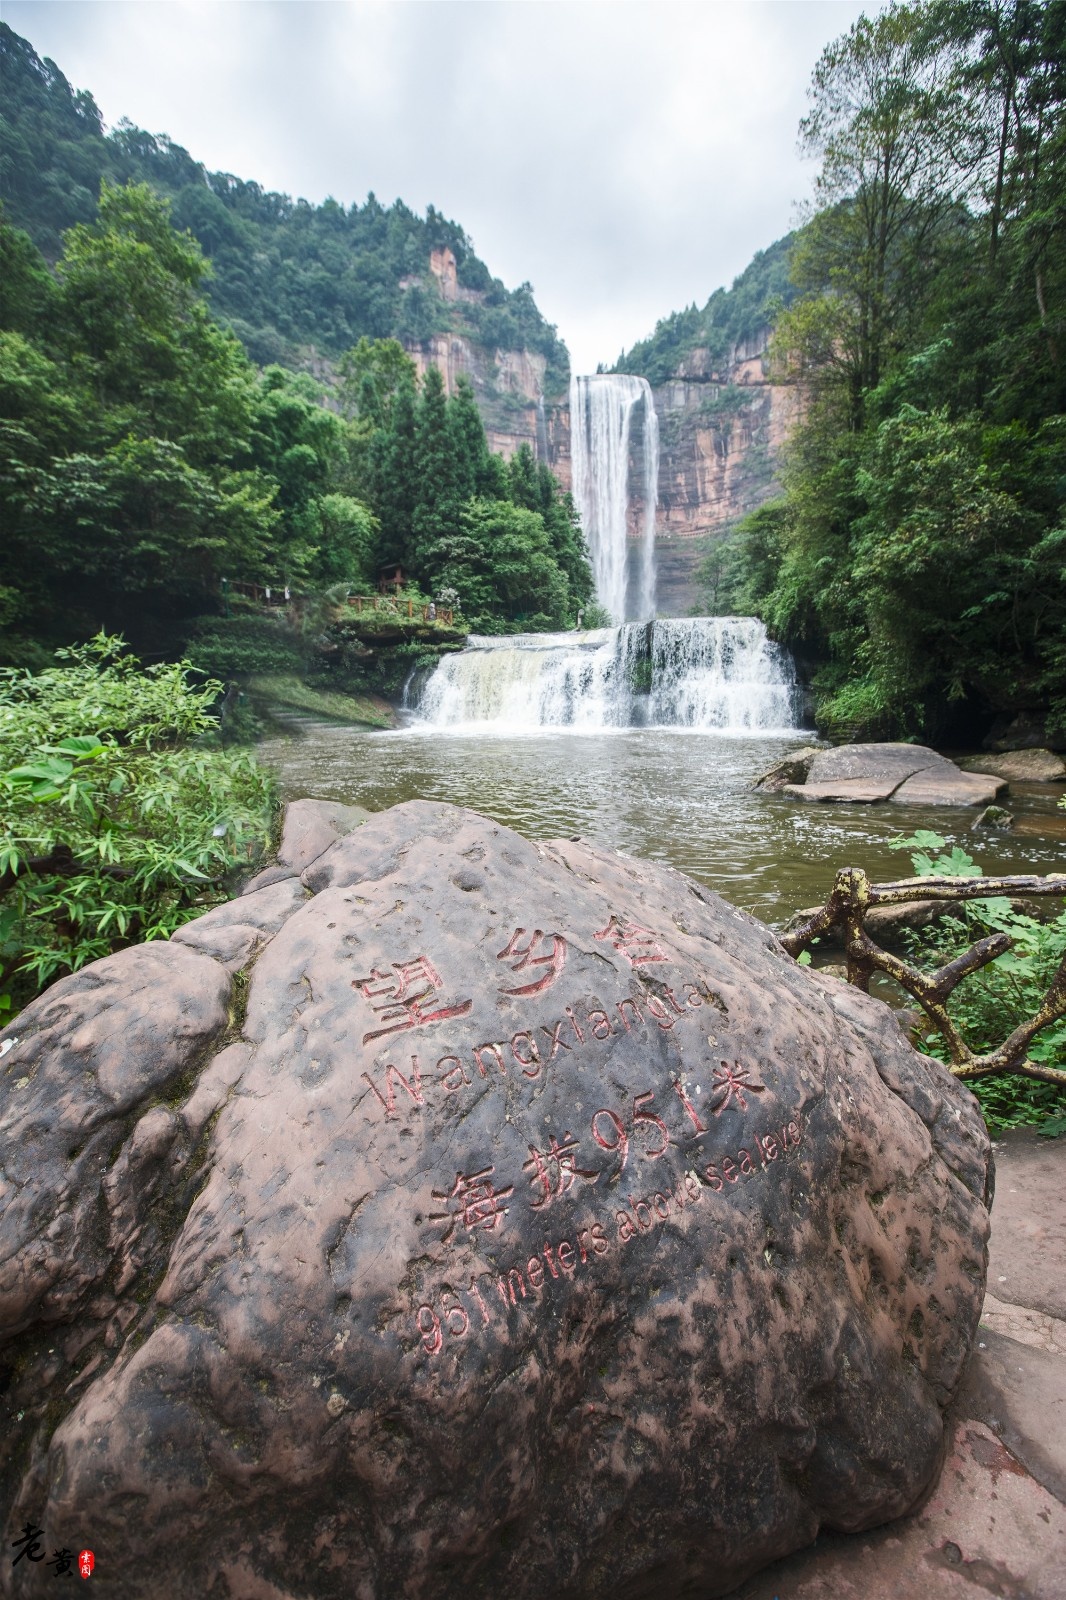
x=143 y=459
x=730 y=317
x=919 y=553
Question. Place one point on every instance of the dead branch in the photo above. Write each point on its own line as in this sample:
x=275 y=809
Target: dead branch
x=853 y=896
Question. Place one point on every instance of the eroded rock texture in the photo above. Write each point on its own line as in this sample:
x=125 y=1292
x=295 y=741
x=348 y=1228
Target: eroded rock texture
x=537 y=1228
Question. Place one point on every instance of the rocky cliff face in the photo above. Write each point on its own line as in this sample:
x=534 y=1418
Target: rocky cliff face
x=721 y=429
x=508 y=387
x=721 y=434
x=721 y=426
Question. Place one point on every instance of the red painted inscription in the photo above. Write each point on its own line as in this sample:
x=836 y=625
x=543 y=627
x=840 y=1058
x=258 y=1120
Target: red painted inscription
x=448 y=1316
x=768 y=1147
x=731 y=1083
x=638 y=945
x=609 y=1131
x=533 y=1048
x=521 y=956
x=474 y=1201
x=401 y=998
x=552 y=1171
x=520 y=1286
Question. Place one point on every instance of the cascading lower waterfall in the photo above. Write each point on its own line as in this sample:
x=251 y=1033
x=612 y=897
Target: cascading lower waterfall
x=712 y=673
x=601 y=413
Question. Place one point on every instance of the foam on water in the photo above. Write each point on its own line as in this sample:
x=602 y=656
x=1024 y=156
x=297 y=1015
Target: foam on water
x=714 y=674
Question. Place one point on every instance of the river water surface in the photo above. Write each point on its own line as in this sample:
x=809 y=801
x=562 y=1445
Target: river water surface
x=666 y=794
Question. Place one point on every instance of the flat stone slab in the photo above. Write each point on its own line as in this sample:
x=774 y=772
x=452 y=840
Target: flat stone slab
x=906 y=774
x=530 y=1225
x=857 y=791
x=1027 y=1249
x=1018 y=1387
x=1021 y=766
x=934 y=787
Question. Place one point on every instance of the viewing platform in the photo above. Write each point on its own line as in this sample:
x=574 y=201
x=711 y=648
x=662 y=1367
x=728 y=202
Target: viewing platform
x=390 y=608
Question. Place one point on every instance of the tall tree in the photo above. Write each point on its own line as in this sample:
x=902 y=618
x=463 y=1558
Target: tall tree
x=917 y=550
x=439 y=486
x=395 y=477
x=879 y=123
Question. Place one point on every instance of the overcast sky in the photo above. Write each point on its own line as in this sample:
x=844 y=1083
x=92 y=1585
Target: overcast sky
x=626 y=157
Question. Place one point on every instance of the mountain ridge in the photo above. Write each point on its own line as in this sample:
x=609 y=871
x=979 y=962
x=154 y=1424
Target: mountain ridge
x=297 y=283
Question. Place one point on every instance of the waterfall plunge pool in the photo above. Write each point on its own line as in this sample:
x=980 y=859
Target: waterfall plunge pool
x=646 y=738
x=669 y=794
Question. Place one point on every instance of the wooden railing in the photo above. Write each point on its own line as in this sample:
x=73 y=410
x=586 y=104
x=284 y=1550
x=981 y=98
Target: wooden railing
x=853 y=895
x=444 y=615
x=264 y=594
x=400 y=606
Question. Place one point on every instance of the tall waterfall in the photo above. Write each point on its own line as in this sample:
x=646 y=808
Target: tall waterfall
x=601 y=411
x=543 y=453
x=714 y=673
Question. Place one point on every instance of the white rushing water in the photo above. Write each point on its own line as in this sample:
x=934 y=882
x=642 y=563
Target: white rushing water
x=713 y=673
x=601 y=413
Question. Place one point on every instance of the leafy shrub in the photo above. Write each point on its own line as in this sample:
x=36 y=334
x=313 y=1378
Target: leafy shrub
x=857 y=711
x=120 y=821
x=990 y=1003
x=235 y=647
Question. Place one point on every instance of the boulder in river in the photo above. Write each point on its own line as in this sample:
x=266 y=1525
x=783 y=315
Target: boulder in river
x=1022 y=766
x=522 y=1220
x=906 y=774
x=1026 y=730
x=792 y=768
x=993 y=817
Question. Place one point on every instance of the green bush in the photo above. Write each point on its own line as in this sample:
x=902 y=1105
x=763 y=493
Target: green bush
x=856 y=712
x=236 y=647
x=120 y=819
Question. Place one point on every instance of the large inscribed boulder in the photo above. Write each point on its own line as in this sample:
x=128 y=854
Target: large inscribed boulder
x=533 y=1225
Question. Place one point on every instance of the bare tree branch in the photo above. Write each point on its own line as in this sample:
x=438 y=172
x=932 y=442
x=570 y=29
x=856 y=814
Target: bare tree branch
x=853 y=896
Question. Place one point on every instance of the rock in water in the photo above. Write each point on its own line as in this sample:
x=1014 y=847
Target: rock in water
x=555 y=1235
x=906 y=774
x=1022 y=766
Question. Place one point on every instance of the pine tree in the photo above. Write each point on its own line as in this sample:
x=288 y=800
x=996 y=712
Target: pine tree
x=439 y=489
x=469 y=449
x=395 y=477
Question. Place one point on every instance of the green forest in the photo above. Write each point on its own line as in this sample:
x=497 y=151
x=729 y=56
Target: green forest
x=286 y=275
x=730 y=317
x=916 y=559
x=145 y=459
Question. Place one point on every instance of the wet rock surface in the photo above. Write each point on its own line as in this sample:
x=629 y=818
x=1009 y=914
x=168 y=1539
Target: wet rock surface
x=536 y=1226
x=906 y=774
x=1022 y=766
x=792 y=768
x=996 y=818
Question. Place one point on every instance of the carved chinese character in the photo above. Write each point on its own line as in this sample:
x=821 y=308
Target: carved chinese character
x=554 y=959
x=638 y=945
x=553 y=1169
x=474 y=1202
x=401 y=997
x=730 y=1084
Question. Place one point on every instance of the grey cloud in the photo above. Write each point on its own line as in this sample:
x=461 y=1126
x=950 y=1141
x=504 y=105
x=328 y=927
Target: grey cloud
x=626 y=158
